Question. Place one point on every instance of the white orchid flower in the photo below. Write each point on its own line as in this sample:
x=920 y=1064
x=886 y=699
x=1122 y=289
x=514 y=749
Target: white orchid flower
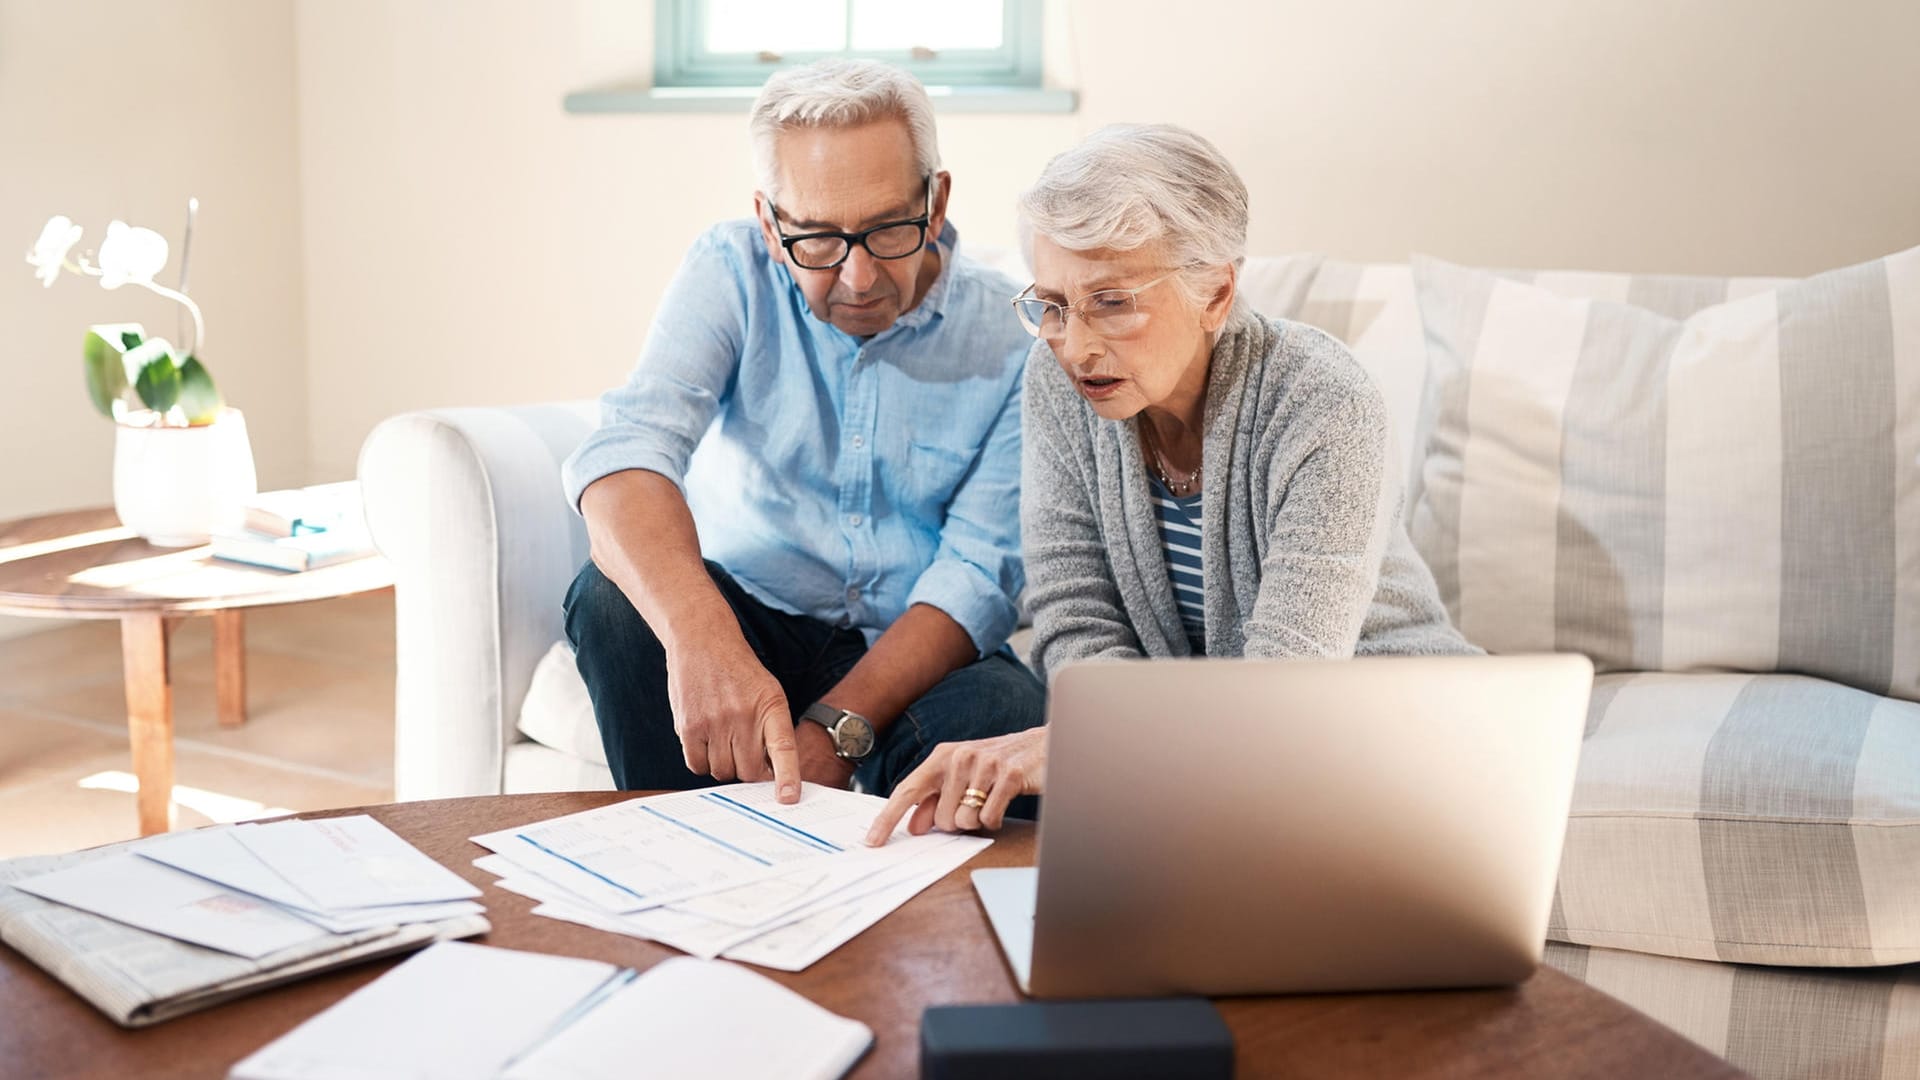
x=131 y=255
x=50 y=251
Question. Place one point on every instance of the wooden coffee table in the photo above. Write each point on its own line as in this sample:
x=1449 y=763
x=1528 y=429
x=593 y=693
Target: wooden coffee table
x=938 y=949
x=85 y=565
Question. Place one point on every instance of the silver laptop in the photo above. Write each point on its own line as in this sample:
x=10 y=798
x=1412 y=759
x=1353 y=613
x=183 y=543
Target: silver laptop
x=1272 y=826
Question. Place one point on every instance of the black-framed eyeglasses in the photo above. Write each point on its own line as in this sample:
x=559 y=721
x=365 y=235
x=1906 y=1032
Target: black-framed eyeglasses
x=826 y=250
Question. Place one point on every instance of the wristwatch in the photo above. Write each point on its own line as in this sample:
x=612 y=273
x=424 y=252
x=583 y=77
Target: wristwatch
x=852 y=735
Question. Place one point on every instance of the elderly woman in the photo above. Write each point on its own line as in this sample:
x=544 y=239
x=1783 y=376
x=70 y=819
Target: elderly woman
x=1197 y=479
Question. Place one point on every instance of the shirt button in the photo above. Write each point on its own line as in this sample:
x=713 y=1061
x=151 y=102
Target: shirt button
x=854 y=520
x=859 y=441
x=853 y=596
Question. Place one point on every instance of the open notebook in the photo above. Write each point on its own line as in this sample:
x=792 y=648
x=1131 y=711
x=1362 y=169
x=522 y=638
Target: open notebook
x=464 y=1011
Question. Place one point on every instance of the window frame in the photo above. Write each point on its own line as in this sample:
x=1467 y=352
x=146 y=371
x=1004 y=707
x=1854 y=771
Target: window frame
x=681 y=61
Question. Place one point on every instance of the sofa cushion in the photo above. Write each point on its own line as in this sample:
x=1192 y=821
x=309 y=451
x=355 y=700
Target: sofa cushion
x=1734 y=490
x=530 y=767
x=1764 y=819
x=1775 y=1023
x=557 y=712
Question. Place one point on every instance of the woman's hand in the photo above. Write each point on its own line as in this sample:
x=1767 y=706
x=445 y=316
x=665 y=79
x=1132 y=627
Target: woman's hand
x=937 y=792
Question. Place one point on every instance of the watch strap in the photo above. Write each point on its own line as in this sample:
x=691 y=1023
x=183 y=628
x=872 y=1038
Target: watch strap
x=823 y=714
x=829 y=717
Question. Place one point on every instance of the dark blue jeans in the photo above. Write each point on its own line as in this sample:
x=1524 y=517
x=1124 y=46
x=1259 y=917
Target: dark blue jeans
x=625 y=668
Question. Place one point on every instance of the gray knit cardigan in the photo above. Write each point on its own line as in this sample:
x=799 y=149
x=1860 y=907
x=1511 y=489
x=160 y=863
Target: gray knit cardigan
x=1305 y=554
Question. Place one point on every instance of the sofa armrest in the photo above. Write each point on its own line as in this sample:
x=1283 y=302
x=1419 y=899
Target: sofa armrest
x=467 y=505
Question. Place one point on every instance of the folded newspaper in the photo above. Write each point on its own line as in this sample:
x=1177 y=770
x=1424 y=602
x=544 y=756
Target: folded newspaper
x=137 y=977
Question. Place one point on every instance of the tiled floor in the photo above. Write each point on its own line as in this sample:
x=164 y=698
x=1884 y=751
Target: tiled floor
x=319 y=729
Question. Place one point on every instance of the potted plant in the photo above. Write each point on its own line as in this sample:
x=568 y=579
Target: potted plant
x=182 y=464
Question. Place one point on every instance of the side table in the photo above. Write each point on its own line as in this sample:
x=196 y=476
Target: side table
x=84 y=564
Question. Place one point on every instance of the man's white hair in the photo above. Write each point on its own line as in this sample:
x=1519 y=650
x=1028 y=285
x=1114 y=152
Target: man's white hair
x=840 y=93
x=1128 y=186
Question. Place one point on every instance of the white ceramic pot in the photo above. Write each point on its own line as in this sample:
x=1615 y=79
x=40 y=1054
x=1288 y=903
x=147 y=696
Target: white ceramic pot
x=175 y=486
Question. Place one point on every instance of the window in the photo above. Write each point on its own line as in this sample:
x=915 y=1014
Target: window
x=966 y=43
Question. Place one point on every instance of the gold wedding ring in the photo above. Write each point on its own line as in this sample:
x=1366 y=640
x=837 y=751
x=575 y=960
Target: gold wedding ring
x=976 y=793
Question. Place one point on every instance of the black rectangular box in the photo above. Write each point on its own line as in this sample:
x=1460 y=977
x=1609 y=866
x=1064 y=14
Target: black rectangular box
x=1159 y=1038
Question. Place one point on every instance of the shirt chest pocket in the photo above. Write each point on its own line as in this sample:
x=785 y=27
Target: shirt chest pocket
x=928 y=482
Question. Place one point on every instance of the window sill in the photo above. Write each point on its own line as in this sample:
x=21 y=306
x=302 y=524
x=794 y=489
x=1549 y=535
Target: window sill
x=738 y=99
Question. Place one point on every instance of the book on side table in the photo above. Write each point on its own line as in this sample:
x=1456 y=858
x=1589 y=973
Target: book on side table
x=301 y=551
x=299 y=529
x=307 y=509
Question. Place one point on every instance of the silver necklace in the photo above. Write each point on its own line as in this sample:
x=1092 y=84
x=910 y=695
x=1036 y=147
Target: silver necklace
x=1181 y=488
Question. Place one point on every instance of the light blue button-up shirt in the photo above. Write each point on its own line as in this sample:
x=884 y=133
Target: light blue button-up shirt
x=833 y=476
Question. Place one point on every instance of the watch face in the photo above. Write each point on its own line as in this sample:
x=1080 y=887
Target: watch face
x=853 y=736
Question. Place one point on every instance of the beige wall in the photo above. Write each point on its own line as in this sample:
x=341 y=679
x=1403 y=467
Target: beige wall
x=465 y=241
x=468 y=242
x=124 y=108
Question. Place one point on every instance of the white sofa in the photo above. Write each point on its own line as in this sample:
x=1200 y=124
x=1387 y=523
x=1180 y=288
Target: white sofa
x=467 y=505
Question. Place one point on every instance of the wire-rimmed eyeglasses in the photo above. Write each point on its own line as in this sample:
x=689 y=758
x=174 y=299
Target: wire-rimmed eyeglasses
x=887 y=240
x=1109 y=312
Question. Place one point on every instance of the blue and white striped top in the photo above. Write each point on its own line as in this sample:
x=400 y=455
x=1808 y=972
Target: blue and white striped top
x=1180 y=539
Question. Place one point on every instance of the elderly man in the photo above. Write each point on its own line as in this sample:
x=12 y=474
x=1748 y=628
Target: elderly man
x=852 y=386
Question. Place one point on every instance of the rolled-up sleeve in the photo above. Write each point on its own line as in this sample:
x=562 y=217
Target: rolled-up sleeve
x=976 y=573
x=686 y=370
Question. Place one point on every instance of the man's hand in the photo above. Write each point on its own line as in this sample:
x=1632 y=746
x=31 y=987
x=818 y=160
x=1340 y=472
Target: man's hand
x=732 y=718
x=730 y=714
x=818 y=763
x=938 y=791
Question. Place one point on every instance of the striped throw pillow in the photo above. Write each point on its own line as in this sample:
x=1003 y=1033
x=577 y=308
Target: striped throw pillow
x=1372 y=307
x=1736 y=489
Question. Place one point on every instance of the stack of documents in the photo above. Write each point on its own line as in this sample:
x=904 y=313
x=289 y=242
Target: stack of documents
x=727 y=871
x=465 y=1011
x=159 y=927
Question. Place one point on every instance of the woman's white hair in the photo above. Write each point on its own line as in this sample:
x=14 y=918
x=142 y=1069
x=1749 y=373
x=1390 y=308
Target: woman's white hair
x=839 y=93
x=1128 y=186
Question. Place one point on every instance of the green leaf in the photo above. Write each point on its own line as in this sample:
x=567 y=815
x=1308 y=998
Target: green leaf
x=105 y=366
x=106 y=378
x=131 y=339
x=146 y=353
x=198 y=397
x=159 y=381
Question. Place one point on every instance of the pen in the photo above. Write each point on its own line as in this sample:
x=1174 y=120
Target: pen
x=567 y=1019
